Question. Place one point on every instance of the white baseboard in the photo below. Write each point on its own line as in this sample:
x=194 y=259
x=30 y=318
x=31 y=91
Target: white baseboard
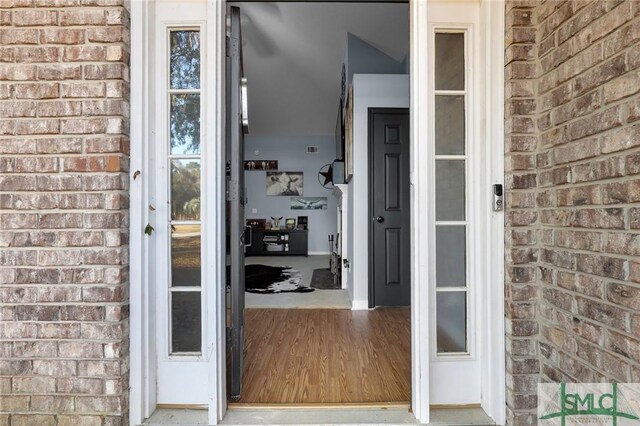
x=360 y=305
x=319 y=253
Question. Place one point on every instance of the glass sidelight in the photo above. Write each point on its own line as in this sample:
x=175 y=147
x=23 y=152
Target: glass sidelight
x=450 y=111
x=184 y=121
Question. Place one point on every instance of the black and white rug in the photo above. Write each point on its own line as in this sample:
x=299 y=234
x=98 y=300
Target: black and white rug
x=264 y=279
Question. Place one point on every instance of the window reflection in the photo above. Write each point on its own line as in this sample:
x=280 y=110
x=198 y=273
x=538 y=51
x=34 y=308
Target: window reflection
x=185 y=124
x=185 y=60
x=185 y=189
x=185 y=256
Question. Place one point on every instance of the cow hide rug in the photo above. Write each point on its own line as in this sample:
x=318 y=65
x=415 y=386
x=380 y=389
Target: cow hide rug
x=264 y=279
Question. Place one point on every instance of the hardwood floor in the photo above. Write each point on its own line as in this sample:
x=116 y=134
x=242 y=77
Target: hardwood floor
x=305 y=356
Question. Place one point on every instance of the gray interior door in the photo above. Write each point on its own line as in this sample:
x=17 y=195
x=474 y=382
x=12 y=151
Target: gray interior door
x=389 y=238
x=236 y=127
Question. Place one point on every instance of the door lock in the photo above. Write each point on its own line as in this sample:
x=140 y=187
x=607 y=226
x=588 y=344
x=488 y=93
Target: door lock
x=498 y=198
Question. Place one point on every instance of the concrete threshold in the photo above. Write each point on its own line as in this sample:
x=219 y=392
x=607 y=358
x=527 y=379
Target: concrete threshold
x=330 y=416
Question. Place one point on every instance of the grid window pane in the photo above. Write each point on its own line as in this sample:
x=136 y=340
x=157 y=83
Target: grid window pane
x=185 y=189
x=451 y=256
x=184 y=60
x=451 y=322
x=185 y=256
x=186 y=335
x=449 y=63
x=450 y=190
x=450 y=125
x=185 y=124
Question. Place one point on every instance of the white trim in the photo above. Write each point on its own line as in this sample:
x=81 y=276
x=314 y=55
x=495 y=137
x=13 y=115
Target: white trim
x=216 y=332
x=359 y=305
x=492 y=27
x=421 y=214
x=142 y=397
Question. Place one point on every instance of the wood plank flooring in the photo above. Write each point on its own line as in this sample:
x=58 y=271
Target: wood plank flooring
x=304 y=356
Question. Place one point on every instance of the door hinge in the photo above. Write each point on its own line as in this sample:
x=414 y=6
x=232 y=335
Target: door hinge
x=226 y=47
x=233 y=46
x=228 y=336
x=232 y=190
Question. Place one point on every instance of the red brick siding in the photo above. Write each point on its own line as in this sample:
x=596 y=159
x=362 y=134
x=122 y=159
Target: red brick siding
x=573 y=229
x=63 y=212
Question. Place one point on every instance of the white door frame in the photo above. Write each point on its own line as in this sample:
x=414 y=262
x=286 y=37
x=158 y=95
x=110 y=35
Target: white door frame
x=142 y=324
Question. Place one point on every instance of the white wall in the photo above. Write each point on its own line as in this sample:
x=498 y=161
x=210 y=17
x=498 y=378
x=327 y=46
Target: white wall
x=291 y=155
x=369 y=91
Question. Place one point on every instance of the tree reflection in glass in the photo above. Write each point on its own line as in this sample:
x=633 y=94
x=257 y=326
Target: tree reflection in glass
x=185 y=124
x=185 y=189
x=185 y=60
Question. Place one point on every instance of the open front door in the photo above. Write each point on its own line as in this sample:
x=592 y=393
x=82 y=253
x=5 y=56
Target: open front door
x=237 y=126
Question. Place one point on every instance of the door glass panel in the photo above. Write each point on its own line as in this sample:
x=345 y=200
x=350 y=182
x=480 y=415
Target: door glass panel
x=184 y=59
x=449 y=124
x=451 y=321
x=451 y=256
x=449 y=64
x=185 y=189
x=185 y=321
x=185 y=256
x=185 y=124
x=450 y=190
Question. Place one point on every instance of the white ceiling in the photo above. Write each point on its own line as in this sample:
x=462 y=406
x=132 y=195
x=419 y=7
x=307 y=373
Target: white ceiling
x=293 y=54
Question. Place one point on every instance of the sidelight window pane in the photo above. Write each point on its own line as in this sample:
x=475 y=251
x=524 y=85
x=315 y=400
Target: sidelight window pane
x=185 y=322
x=451 y=256
x=451 y=321
x=185 y=124
x=185 y=189
x=185 y=255
x=450 y=190
x=450 y=125
x=184 y=60
x=449 y=64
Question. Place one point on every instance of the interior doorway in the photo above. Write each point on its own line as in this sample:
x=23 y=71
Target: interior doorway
x=291 y=174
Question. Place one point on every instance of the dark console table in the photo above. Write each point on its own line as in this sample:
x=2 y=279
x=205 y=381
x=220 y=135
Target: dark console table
x=265 y=242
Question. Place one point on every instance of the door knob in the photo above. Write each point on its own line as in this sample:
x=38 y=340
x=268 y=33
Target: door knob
x=379 y=219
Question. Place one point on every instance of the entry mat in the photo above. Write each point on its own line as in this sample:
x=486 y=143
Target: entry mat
x=323 y=279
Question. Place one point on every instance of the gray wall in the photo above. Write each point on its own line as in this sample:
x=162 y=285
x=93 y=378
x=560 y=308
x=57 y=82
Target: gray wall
x=291 y=155
x=363 y=58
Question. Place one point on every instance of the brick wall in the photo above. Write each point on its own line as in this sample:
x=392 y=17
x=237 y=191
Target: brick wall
x=573 y=207
x=521 y=216
x=63 y=212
